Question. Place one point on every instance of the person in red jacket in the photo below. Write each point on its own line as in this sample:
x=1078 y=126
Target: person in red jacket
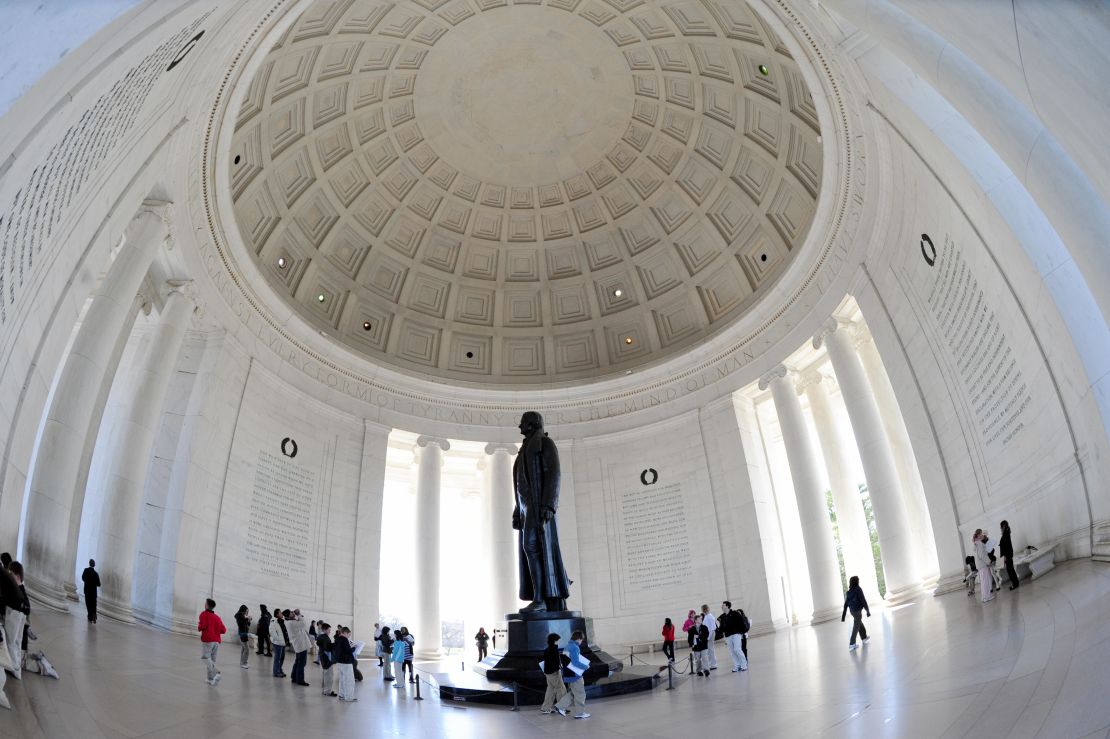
x=668 y=639
x=211 y=630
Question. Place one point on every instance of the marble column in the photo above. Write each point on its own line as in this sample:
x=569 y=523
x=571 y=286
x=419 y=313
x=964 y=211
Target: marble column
x=429 y=632
x=368 y=528
x=502 y=537
x=887 y=503
x=75 y=408
x=855 y=538
x=820 y=547
x=127 y=466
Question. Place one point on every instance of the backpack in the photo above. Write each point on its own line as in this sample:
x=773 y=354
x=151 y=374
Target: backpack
x=745 y=624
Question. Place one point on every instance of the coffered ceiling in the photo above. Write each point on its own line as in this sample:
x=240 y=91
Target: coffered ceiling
x=528 y=192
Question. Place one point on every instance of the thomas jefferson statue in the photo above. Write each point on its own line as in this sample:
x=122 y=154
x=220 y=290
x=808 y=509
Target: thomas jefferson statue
x=543 y=581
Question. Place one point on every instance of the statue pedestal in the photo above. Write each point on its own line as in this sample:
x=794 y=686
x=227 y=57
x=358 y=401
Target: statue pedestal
x=527 y=641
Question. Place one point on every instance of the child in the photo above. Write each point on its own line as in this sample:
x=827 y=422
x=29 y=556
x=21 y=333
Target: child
x=345 y=664
x=700 y=647
x=211 y=629
x=576 y=688
x=398 y=657
x=553 y=673
x=324 y=647
x=856 y=602
x=970 y=574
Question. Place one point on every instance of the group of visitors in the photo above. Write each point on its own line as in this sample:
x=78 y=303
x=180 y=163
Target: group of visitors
x=704 y=629
x=15 y=629
x=980 y=567
x=287 y=631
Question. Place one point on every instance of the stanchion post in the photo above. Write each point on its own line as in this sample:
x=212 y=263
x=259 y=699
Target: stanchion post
x=670 y=676
x=516 y=704
x=418 y=687
x=690 y=672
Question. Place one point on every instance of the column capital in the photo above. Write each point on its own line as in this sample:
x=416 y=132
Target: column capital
x=778 y=372
x=423 y=441
x=494 y=447
x=829 y=327
x=184 y=287
x=808 y=379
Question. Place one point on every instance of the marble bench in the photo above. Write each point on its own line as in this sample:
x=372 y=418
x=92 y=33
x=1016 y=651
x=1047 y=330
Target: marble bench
x=1033 y=564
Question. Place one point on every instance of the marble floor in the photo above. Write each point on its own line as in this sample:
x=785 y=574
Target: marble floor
x=1035 y=662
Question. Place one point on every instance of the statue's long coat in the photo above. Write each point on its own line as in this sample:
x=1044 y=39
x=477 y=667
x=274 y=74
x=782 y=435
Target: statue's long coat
x=536 y=479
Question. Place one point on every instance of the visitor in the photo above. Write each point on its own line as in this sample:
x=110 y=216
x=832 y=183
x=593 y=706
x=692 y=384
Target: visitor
x=243 y=626
x=398 y=657
x=700 y=646
x=15 y=621
x=298 y=639
x=325 y=647
x=576 y=687
x=971 y=575
x=262 y=631
x=385 y=644
x=668 y=639
x=279 y=638
x=983 y=565
x=410 y=643
x=552 y=666
x=345 y=665
x=482 y=640
x=312 y=633
x=732 y=624
x=746 y=624
x=710 y=623
x=689 y=622
x=996 y=579
x=10 y=597
x=91 y=580
x=856 y=602
x=378 y=651
x=1006 y=551
x=211 y=630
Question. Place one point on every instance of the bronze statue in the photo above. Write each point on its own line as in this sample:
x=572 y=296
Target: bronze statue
x=543 y=581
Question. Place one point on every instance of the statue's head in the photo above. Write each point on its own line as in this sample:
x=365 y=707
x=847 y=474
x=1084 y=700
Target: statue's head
x=530 y=422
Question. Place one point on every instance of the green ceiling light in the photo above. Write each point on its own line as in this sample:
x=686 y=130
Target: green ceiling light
x=763 y=70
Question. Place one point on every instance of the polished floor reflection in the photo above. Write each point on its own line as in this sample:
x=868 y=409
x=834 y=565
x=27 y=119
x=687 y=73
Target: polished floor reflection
x=1035 y=662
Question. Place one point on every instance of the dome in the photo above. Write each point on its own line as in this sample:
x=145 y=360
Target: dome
x=532 y=193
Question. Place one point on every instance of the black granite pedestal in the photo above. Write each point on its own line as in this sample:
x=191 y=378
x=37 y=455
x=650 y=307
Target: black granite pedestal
x=517 y=668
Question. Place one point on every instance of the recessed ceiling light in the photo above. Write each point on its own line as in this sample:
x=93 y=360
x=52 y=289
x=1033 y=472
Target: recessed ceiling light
x=321 y=298
x=281 y=262
x=627 y=339
x=237 y=158
x=618 y=292
x=366 y=326
x=763 y=70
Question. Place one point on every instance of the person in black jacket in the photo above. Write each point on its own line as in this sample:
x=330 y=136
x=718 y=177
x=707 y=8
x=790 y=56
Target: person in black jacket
x=1006 y=551
x=243 y=630
x=325 y=647
x=553 y=673
x=345 y=663
x=91 y=580
x=732 y=624
x=386 y=640
x=262 y=631
x=700 y=646
x=856 y=602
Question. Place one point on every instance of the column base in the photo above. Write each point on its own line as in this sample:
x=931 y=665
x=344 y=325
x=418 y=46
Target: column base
x=49 y=595
x=949 y=583
x=825 y=614
x=904 y=594
x=429 y=655
x=71 y=592
x=115 y=610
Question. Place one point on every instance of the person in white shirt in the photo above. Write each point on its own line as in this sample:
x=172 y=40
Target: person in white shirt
x=710 y=622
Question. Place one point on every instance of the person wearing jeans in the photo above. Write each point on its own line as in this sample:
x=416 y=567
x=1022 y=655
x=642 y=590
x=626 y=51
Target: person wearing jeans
x=298 y=637
x=243 y=624
x=279 y=638
x=553 y=673
x=211 y=630
x=732 y=623
x=856 y=602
